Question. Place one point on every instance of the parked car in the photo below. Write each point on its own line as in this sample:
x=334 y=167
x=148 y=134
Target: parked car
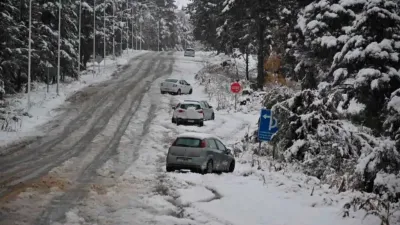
x=176 y=86
x=188 y=112
x=207 y=108
x=199 y=152
x=189 y=52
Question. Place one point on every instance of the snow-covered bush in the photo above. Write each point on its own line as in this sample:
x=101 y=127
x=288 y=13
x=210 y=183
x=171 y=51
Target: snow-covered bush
x=275 y=94
x=348 y=127
x=313 y=133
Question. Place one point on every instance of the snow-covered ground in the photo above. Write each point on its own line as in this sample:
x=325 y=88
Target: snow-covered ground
x=145 y=194
x=43 y=106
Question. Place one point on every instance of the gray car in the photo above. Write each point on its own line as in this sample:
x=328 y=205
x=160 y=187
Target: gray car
x=199 y=152
x=189 y=52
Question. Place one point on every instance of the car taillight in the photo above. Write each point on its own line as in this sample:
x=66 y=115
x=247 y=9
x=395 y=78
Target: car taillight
x=181 y=111
x=201 y=111
x=203 y=144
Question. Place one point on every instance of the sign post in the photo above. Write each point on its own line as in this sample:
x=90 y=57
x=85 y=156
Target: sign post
x=50 y=71
x=99 y=58
x=267 y=127
x=235 y=89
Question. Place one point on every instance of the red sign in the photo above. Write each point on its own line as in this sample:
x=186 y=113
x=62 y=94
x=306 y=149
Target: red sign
x=235 y=87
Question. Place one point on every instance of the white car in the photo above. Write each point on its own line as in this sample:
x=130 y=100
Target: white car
x=189 y=52
x=207 y=108
x=188 y=112
x=176 y=86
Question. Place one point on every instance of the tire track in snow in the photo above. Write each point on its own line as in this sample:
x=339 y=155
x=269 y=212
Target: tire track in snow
x=45 y=156
x=102 y=121
x=43 y=145
x=136 y=132
x=59 y=206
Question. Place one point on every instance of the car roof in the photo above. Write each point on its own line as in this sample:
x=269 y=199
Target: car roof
x=190 y=102
x=197 y=135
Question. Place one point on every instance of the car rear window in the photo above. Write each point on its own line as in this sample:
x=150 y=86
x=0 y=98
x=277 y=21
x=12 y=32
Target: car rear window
x=189 y=50
x=171 y=80
x=187 y=142
x=186 y=106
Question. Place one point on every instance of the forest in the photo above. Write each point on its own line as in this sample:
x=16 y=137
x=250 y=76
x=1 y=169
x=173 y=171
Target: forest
x=343 y=126
x=124 y=24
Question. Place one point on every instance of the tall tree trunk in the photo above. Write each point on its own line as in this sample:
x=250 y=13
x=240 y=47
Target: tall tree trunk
x=260 y=54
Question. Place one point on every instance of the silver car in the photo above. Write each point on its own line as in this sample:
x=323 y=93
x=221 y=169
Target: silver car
x=189 y=52
x=199 y=152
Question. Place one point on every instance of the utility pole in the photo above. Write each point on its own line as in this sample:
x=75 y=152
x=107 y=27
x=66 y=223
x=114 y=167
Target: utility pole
x=94 y=34
x=79 y=36
x=122 y=31
x=104 y=35
x=127 y=27
x=140 y=30
x=158 y=31
x=29 y=53
x=132 y=26
x=136 y=21
x=113 y=30
x=59 y=46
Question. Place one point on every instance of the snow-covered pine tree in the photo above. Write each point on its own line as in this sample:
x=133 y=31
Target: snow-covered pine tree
x=350 y=49
x=14 y=34
x=205 y=15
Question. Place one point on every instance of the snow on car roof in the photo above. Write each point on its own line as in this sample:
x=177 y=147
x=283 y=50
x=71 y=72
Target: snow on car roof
x=190 y=102
x=196 y=135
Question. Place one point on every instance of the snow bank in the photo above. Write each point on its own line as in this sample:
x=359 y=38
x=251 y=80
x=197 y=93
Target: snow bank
x=44 y=106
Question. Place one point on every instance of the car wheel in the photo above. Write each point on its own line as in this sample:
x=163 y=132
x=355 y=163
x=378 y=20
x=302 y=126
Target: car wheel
x=201 y=124
x=162 y=92
x=212 y=116
x=170 y=169
x=209 y=168
x=190 y=92
x=231 y=166
x=178 y=92
x=173 y=120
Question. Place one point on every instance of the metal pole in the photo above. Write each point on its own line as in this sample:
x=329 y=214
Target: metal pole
x=104 y=36
x=127 y=27
x=94 y=34
x=122 y=32
x=136 y=36
x=158 y=31
x=79 y=36
x=113 y=30
x=29 y=53
x=132 y=26
x=235 y=101
x=140 y=29
x=59 y=46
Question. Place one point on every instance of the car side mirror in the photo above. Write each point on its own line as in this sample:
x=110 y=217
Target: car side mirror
x=228 y=151
x=210 y=106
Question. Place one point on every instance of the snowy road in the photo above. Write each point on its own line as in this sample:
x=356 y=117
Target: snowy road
x=104 y=163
